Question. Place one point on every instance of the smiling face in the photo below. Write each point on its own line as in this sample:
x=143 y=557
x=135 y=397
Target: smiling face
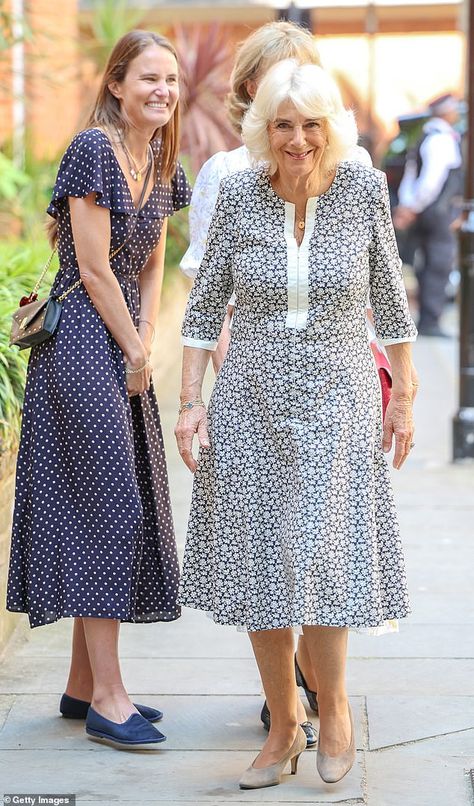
x=149 y=92
x=297 y=142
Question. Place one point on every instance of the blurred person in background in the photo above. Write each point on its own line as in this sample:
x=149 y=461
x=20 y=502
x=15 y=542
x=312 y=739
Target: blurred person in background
x=429 y=196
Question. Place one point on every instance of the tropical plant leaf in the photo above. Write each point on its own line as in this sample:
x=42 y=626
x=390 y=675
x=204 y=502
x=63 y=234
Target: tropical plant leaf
x=205 y=60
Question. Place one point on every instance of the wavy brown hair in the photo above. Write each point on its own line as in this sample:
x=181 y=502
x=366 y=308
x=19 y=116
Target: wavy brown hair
x=264 y=47
x=107 y=112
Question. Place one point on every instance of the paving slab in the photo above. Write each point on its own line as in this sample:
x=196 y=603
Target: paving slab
x=396 y=720
x=416 y=641
x=142 y=676
x=194 y=635
x=190 y=723
x=6 y=703
x=240 y=677
x=164 y=775
x=429 y=773
x=437 y=677
x=432 y=608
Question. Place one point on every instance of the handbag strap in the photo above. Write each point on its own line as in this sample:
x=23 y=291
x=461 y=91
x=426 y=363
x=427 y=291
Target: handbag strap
x=136 y=214
x=111 y=254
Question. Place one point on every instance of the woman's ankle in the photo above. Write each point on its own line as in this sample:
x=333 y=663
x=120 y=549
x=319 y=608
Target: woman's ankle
x=332 y=703
x=79 y=688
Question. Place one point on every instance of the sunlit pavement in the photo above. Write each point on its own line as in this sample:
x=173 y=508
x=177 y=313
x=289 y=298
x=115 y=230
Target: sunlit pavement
x=412 y=693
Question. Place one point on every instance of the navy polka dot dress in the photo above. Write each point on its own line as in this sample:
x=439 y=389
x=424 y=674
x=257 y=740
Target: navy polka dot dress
x=92 y=530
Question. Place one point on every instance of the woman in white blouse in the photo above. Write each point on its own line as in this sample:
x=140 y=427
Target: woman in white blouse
x=261 y=50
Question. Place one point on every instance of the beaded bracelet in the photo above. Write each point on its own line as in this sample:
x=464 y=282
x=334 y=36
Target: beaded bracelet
x=137 y=370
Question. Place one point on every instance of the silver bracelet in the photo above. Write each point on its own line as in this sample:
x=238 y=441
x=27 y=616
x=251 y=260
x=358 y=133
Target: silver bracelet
x=190 y=404
x=136 y=371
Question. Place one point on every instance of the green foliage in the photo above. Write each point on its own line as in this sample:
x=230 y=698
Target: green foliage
x=10 y=34
x=11 y=178
x=34 y=198
x=20 y=264
x=111 y=20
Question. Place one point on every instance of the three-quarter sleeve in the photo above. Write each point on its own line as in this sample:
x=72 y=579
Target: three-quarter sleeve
x=213 y=286
x=393 y=321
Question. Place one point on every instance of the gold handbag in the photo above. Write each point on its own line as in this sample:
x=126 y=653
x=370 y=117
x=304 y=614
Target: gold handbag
x=36 y=320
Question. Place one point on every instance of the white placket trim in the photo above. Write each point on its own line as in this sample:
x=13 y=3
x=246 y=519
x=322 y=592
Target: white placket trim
x=298 y=265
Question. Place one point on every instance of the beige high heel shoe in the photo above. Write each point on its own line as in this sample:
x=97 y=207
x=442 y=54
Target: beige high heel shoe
x=333 y=768
x=254 y=778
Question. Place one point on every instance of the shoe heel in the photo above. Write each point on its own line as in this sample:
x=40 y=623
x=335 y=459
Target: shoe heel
x=294 y=764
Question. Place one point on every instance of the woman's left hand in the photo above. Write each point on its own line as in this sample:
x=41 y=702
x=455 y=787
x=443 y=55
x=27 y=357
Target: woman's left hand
x=398 y=423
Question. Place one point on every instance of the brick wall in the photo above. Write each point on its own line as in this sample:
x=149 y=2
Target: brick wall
x=53 y=87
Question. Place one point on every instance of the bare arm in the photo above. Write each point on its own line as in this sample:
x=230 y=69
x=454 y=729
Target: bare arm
x=151 y=282
x=91 y=231
x=194 y=420
x=399 y=416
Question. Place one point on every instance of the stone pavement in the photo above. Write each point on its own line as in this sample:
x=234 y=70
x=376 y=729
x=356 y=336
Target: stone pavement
x=413 y=693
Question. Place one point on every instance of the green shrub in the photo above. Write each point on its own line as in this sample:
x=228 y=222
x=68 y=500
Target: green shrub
x=20 y=264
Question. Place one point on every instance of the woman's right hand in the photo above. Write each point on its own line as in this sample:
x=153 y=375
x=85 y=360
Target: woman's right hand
x=138 y=382
x=190 y=422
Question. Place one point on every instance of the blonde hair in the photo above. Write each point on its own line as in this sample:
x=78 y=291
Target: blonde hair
x=263 y=48
x=314 y=94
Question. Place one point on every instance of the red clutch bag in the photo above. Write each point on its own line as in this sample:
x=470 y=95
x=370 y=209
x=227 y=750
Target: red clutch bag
x=384 y=371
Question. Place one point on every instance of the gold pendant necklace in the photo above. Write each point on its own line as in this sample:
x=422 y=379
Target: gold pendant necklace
x=301 y=224
x=135 y=172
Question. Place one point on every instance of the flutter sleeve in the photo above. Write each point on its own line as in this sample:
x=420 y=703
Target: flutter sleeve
x=393 y=322
x=181 y=189
x=212 y=288
x=205 y=192
x=87 y=167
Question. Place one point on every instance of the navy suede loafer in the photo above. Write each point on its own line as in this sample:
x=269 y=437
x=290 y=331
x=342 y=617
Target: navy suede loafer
x=135 y=733
x=71 y=708
x=311 y=736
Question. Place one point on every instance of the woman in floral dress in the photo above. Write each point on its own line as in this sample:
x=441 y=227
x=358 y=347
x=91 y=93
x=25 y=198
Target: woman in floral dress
x=294 y=448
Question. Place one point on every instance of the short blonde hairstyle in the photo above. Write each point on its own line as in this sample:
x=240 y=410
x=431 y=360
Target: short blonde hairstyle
x=269 y=44
x=315 y=95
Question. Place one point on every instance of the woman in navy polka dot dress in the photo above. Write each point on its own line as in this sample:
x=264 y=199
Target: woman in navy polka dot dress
x=93 y=534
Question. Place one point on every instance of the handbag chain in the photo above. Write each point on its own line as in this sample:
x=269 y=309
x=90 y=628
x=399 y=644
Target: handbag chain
x=111 y=254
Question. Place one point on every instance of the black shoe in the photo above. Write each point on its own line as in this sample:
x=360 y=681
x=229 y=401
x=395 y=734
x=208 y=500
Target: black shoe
x=308 y=728
x=72 y=708
x=433 y=331
x=311 y=696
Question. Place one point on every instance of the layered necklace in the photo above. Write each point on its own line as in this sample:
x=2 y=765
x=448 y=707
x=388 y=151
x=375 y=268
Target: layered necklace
x=135 y=172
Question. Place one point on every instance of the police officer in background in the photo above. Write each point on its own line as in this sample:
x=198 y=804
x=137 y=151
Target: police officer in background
x=429 y=196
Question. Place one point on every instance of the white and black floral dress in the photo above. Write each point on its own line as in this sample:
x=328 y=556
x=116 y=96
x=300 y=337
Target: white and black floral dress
x=295 y=414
